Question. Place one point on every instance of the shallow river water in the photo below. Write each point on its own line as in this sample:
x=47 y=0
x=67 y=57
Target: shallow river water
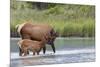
x=68 y=50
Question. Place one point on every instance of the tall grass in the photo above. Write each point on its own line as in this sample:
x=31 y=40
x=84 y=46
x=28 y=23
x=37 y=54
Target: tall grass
x=65 y=26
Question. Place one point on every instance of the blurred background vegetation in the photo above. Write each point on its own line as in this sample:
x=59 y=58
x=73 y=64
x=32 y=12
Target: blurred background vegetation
x=67 y=19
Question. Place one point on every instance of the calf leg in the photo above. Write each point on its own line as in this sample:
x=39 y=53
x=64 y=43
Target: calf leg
x=25 y=52
x=25 y=36
x=20 y=52
x=39 y=51
x=33 y=52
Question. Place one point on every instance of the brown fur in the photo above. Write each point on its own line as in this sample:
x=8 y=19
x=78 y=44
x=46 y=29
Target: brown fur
x=34 y=46
x=37 y=32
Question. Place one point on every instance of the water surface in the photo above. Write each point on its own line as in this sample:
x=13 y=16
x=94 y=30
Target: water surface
x=68 y=50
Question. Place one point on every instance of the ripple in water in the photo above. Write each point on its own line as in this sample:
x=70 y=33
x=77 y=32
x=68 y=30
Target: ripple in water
x=72 y=56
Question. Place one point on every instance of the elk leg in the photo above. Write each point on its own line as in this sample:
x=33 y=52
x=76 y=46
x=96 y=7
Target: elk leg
x=38 y=53
x=44 y=49
x=53 y=47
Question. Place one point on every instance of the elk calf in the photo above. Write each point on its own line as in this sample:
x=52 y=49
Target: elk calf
x=29 y=45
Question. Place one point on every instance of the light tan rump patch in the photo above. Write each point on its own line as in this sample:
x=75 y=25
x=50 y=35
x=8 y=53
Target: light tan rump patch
x=20 y=27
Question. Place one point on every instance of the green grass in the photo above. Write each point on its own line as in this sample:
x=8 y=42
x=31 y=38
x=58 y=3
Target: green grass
x=79 y=26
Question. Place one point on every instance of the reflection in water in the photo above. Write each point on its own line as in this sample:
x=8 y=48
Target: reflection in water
x=39 y=60
x=55 y=59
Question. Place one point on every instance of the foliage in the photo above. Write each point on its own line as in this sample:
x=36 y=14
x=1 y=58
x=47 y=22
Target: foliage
x=67 y=19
